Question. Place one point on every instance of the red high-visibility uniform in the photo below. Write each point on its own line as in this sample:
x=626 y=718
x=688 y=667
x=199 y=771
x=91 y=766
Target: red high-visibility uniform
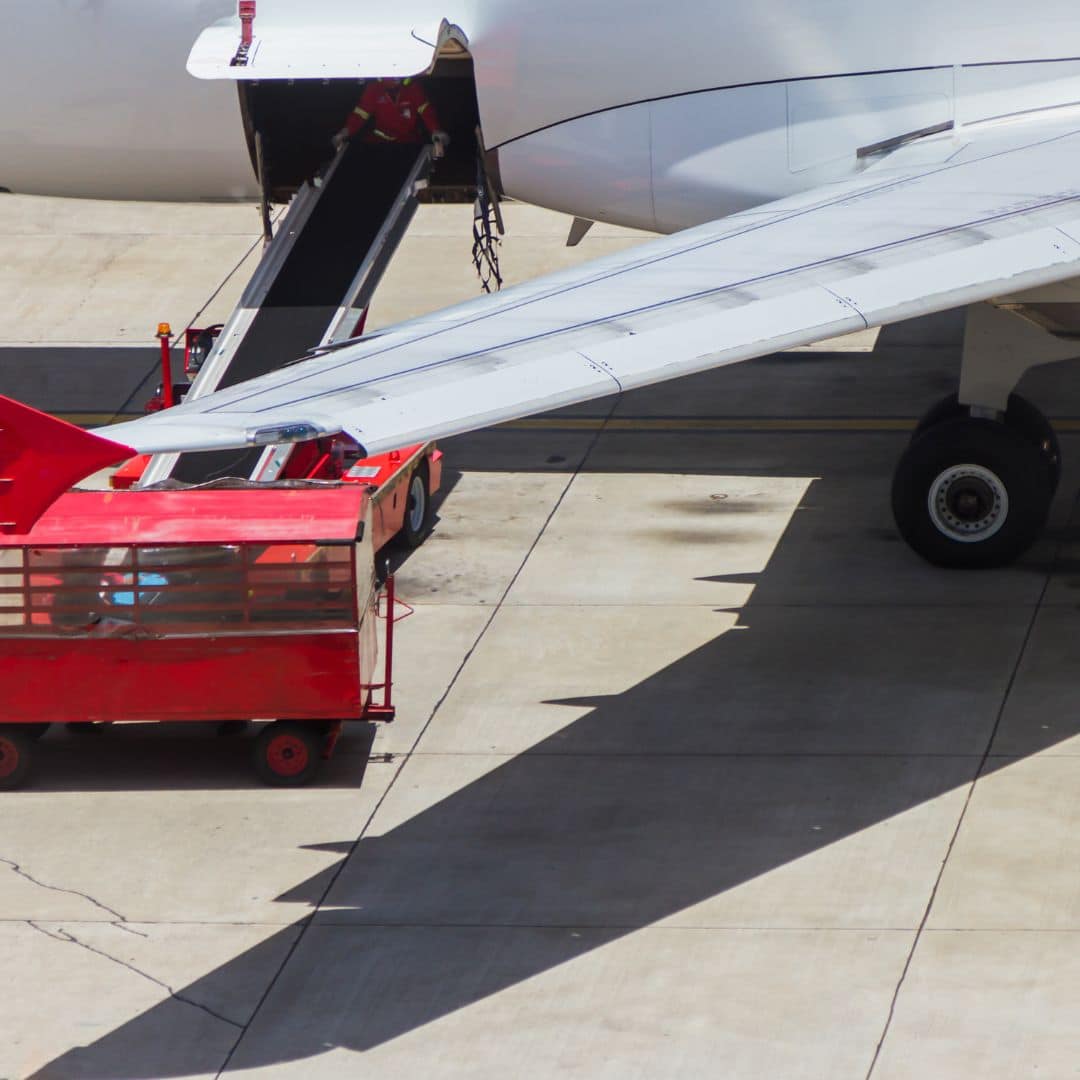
x=397 y=110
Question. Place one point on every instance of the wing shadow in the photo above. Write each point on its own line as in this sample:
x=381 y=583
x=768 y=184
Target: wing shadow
x=765 y=745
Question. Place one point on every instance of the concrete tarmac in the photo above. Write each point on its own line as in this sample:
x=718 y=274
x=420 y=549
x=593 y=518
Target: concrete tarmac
x=699 y=771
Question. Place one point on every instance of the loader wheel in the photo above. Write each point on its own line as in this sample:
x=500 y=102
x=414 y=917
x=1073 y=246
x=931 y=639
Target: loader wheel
x=418 y=509
x=16 y=755
x=288 y=753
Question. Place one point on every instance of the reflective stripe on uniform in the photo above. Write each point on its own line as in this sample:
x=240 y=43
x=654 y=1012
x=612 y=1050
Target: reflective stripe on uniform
x=383 y=135
x=420 y=111
x=362 y=113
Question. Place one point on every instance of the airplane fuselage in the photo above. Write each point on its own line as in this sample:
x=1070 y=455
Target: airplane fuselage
x=654 y=116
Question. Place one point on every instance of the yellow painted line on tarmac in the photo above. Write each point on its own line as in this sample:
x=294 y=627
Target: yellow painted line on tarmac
x=708 y=423
x=734 y=424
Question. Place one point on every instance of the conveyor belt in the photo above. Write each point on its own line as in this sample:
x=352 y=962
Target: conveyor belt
x=308 y=275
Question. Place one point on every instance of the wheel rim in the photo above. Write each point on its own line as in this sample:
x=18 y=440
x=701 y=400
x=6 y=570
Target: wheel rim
x=287 y=755
x=417 y=499
x=9 y=757
x=968 y=503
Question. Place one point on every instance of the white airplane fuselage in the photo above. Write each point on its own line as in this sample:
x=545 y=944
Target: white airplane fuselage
x=654 y=116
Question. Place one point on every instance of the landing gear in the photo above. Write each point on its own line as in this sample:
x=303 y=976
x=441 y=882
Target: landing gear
x=974 y=492
x=1020 y=415
x=973 y=488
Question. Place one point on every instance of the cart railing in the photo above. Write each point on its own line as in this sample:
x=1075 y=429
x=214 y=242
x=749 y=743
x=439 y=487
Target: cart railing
x=391 y=609
x=161 y=591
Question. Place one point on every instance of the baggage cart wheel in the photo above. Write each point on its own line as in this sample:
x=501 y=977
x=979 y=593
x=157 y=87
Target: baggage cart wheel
x=288 y=753
x=418 y=509
x=16 y=754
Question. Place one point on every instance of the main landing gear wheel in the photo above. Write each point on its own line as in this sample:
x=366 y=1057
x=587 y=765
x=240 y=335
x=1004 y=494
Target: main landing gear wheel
x=16 y=756
x=1020 y=415
x=418 y=510
x=971 y=493
x=288 y=753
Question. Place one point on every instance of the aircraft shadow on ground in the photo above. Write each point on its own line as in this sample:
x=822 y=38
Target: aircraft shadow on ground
x=743 y=756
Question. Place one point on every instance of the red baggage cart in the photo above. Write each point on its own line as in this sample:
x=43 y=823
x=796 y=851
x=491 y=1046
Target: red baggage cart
x=249 y=603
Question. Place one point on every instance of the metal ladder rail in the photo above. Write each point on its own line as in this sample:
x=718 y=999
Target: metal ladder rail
x=232 y=335
x=362 y=289
x=398 y=219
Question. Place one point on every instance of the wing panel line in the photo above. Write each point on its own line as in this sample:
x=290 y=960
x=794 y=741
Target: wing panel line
x=1014 y=211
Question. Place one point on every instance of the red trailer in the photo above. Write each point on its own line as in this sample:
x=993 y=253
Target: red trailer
x=250 y=603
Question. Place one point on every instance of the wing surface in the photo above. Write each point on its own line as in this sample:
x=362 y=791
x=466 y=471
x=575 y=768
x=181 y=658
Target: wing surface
x=939 y=223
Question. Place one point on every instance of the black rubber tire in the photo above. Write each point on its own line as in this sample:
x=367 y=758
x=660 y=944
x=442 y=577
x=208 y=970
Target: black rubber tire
x=1030 y=422
x=948 y=408
x=1020 y=415
x=16 y=757
x=35 y=731
x=1011 y=457
x=288 y=753
x=414 y=532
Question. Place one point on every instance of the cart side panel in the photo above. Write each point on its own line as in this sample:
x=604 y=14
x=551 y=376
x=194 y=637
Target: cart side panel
x=282 y=676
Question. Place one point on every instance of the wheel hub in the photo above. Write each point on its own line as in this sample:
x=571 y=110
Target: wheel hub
x=968 y=503
x=287 y=755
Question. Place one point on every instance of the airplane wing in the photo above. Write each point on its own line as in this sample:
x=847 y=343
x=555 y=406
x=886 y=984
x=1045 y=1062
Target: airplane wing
x=940 y=222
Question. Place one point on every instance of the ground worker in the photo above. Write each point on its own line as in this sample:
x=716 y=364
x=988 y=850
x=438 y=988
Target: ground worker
x=393 y=111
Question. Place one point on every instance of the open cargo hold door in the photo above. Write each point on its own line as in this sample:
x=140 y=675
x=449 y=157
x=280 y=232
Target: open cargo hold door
x=325 y=39
x=297 y=67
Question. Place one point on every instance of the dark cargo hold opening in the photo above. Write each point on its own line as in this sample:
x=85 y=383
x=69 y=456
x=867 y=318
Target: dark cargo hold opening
x=297 y=119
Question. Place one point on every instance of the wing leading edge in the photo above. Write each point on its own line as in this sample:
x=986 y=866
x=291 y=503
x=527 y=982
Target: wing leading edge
x=944 y=222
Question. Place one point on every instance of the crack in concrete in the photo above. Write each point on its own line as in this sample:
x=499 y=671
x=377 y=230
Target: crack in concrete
x=17 y=869
x=66 y=936
x=120 y=922
x=129 y=929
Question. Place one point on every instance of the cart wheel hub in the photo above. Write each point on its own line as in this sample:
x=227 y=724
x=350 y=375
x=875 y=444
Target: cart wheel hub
x=9 y=757
x=287 y=755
